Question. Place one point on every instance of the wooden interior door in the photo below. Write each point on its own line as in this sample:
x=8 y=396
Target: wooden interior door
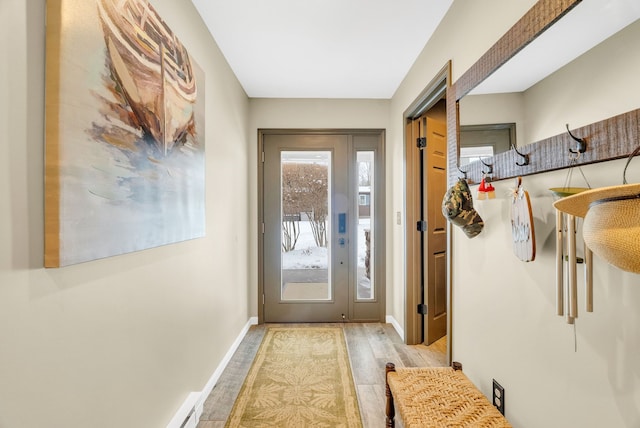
x=427 y=289
x=426 y=237
x=435 y=235
x=413 y=238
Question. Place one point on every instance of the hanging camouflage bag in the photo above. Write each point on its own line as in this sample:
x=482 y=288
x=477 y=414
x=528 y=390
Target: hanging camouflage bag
x=457 y=207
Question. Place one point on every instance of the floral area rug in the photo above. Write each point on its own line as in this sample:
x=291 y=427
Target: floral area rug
x=300 y=377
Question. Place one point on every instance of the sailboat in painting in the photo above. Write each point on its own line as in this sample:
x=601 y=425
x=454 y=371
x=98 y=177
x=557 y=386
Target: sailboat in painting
x=152 y=68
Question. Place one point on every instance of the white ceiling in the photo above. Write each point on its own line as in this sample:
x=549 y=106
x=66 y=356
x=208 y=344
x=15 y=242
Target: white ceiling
x=364 y=48
x=321 y=48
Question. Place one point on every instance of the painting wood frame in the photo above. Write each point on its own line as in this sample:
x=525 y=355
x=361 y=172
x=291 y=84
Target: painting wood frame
x=124 y=149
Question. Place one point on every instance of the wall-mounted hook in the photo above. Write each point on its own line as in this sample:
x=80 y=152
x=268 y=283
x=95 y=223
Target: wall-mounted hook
x=525 y=156
x=582 y=143
x=464 y=173
x=490 y=171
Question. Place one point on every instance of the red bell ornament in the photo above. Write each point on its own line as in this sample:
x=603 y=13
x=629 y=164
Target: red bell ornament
x=486 y=190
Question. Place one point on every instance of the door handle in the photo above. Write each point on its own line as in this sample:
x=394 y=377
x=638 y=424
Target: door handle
x=342 y=223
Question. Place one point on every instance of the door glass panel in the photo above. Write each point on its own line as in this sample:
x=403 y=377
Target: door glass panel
x=306 y=225
x=366 y=216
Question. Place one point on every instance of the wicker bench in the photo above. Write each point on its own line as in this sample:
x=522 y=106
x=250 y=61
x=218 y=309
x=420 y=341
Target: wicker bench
x=437 y=397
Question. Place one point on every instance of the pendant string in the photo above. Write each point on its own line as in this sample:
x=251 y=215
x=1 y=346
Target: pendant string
x=584 y=178
x=624 y=173
x=573 y=164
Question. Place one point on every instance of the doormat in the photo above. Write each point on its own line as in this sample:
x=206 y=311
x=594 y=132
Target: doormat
x=300 y=377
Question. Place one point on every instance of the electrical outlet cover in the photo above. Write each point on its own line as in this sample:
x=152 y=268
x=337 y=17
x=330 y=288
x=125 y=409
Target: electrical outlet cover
x=498 y=396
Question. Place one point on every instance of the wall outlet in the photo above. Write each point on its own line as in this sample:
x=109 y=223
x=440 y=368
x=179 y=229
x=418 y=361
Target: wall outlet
x=498 y=396
x=398 y=218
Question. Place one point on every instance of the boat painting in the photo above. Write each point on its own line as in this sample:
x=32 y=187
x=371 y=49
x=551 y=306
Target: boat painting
x=125 y=133
x=152 y=68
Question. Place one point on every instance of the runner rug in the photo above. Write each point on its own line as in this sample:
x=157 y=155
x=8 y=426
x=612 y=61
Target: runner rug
x=300 y=377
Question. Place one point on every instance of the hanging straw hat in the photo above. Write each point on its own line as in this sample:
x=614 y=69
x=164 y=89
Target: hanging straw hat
x=611 y=226
x=578 y=204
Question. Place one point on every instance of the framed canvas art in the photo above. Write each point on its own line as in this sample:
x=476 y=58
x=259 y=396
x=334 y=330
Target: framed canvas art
x=124 y=149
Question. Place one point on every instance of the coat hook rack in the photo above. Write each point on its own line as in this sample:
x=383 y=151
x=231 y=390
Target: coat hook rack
x=464 y=173
x=490 y=171
x=582 y=143
x=525 y=156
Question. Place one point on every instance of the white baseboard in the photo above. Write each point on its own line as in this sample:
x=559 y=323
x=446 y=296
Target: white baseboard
x=189 y=413
x=391 y=320
x=186 y=417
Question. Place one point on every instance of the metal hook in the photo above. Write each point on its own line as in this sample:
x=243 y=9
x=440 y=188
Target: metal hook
x=582 y=143
x=488 y=166
x=464 y=173
x=525 y=156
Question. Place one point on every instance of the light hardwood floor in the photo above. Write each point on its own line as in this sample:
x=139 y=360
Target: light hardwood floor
x=370 y=345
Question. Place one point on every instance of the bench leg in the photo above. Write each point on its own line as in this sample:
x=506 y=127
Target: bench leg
x=390 y=410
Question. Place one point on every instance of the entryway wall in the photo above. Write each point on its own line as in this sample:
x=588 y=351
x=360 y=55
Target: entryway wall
x=121 y=341
x=504 y=319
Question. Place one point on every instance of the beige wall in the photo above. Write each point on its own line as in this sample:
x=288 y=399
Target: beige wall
x=504 y=322
x=118 y=342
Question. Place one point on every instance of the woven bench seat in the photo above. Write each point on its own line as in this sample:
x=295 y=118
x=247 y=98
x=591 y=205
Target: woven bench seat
x=438 y=397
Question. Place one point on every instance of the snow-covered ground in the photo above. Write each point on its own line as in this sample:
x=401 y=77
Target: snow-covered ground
x=308 y=256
